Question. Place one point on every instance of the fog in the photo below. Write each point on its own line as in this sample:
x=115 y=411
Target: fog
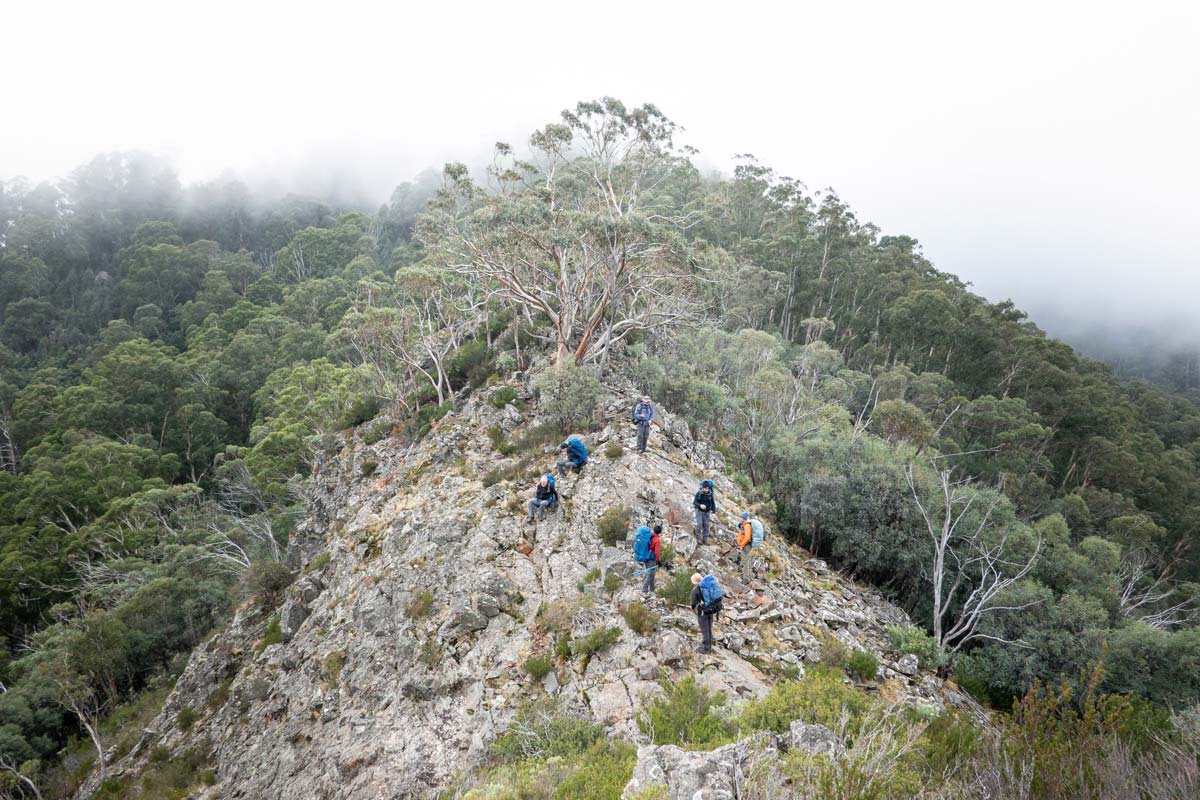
x=1045 y=152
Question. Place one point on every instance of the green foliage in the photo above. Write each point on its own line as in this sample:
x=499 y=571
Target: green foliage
x=595 y=641
x=265 y=582
x=538 y=666
x=833 y=653
x=602 y=775
x=332 y=665
x=819 y=697
x=910 y=639
x=540 y=730
x=614 y=450
x=567 y=396
x=499 y=443
x=863 y=663
x=318 y=563
x=611 y=582
x=947 y=743
x=186 y=718
x=562 y=648
x=678 y=589
x=502 y=396
x=368 y=468
x=685 y=714
x=273 y=635
x=613 y=524
x=640 y=619
x=471 y=364
x=420 y=604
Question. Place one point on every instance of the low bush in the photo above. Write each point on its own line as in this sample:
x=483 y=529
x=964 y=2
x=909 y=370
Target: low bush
x=668 y=554
x=186 y=718
x=471 y=364
x=614 y=450
x=678 y=590
x=819 y=697
x=640 y=619
x=611 y=582
x=554 y=616
x=332 y=665
x=420 y=604
x=613 y=525
x=368 y=468
x=686 y=715
x=833 y=652
x=273 y=635
x=500 y=442
x=595 y=641
x=538 y=666
x=562 y=648
x=864 y=664
x=912 y=640
x=603 y=772
x=265 y=582
x=541 y=730
x=317 y=563
x=503 y=396
x=567 y=395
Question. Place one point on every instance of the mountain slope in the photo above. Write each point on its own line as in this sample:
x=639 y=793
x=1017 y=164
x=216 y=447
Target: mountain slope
x=424 y=593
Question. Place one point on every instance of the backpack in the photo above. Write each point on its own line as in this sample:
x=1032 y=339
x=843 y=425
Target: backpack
x=577 y=449
x=707 y=482
x=756 y=533
x=710 y=590
x=641 y=545
x=550 y=480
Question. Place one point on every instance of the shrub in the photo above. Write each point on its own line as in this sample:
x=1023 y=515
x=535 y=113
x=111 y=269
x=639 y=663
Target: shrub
x=640 y=619
x=332 y=665
x=604 y=770
x=541 y=730
x=592 y=576
x=614 y=450
x=567 y=395
x=562 y=648
x=186 y=718
x=948 y=742
x=265 y=581
x=471 y=364
x=614 y=524
x=273 y=635
x=500 y=442
x=864 y=664
x=503 y=396
x=678 y=590
x=595 y=641
x=317 y=563
x=420 y=605
x=538 y=666
x=611 y=582
x=368 y=468
x=833 y=652
x=668 y=554
x=220 y=695
x=685 y=714
x=422 y=421
x=818 y=697
x=554 y=617
x=912 y=640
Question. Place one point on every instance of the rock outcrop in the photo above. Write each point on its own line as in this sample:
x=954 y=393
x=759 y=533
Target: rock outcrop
x=423 y=592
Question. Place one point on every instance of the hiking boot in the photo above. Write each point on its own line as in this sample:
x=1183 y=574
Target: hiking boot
x=702 y=650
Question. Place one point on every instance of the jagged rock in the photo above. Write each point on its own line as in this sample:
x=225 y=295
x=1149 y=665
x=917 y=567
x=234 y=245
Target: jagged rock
x=908 y=664
x=698 y=775
x=463 y=620
x=815 y=739
x=291 y=617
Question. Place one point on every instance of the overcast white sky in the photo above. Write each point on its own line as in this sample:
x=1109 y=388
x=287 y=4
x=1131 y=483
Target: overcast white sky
x=1045 y=151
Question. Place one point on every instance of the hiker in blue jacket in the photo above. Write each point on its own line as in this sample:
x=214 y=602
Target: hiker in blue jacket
x=576 y=455
x=643 y=415
x=545 y=496
x=705 y=503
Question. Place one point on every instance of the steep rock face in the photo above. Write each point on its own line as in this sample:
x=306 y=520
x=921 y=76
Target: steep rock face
x=402 y=653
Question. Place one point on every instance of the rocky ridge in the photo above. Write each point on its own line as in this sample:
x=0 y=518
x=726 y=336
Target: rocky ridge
x=422 y=592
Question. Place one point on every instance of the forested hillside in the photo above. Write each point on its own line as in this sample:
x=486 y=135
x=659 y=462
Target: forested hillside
x=174 y=361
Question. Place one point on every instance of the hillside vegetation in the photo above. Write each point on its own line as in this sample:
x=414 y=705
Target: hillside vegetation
x=174 y=363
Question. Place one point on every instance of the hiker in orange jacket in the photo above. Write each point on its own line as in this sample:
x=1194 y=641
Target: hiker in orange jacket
x=745 y=537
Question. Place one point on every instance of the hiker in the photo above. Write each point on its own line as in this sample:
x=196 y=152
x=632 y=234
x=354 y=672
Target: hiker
x=705 y=502
x=643 y=415
x=706 y=602
x=545 y=496
x=576 y=455
x=750 y=536
x=647 y=551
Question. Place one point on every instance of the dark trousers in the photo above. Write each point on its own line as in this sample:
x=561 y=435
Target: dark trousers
x=703 y=525
x=563 y=466
x=705 y=630
x=648 y=578
x=643 y=436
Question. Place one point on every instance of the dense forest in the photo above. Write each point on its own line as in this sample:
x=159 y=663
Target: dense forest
x=174 y=360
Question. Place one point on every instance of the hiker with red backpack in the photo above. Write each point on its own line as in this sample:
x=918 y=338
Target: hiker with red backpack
x=545 y=496
x=706 y=602
x=647 y=551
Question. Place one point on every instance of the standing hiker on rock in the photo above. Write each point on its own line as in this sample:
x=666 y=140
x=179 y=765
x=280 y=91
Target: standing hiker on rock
x=750 y=536
x=643 y=415
x=545 y=496
x=705 y=502
x=647 y=551
x=576 y=455
x=706 y=602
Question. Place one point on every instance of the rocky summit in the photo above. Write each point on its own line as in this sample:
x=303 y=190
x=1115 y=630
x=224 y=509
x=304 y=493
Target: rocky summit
x=397 y=655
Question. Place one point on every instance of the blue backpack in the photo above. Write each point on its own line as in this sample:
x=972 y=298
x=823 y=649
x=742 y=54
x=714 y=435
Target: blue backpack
x=756 y=533
x=710 y=590
x=576 y=448
x=550 y=479
x=641 y=545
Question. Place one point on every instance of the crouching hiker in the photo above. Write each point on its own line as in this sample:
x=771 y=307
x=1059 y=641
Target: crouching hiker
x=545 y=496
x=706 y=602
x=643 y=415
x=749 y=537
x=647 y=551
x=576 y=455
x=705 y=502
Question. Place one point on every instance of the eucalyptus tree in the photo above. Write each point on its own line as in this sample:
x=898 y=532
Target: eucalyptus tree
x=578 y=237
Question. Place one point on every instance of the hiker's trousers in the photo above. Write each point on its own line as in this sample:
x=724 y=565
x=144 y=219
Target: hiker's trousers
x=643 y=436
x=703 y=525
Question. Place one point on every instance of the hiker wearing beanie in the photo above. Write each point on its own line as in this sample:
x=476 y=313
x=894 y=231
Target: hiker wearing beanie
x=643 y=415
x=706 y=602
x=749 y=536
